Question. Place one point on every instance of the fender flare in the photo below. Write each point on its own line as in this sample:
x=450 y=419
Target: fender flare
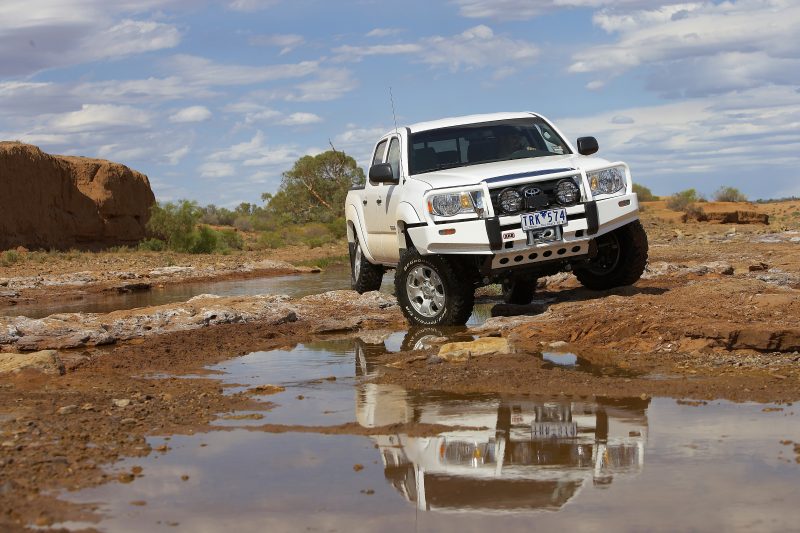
x=355 y=228
x=406 y=214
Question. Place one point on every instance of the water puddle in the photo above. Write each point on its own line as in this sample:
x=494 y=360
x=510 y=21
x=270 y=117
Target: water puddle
x=491 y=462
x=574 y=362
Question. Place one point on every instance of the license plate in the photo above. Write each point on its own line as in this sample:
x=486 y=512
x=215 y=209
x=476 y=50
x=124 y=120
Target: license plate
x=556 y=430
x=544 y=219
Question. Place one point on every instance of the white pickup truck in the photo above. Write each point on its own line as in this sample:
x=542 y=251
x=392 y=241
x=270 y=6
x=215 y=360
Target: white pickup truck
x=462 y=202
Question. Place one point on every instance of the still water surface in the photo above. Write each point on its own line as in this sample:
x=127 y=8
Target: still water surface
x=535 y=463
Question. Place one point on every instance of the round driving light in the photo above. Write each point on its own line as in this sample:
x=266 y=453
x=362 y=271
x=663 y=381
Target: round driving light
x=510 y=201
x=447 y=205
x=567 y=192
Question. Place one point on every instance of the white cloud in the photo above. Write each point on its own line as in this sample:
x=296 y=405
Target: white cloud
x=702 y=47
x=740 y=139
x=384 y=32
x=527 y=9
x=176 y=156
x=212 y=169
x=195 y=113
x=329 y=84
x=36 y=35
x=201 y=71
x=250 y=6
x=300 y=119
x=286 y=42
x=476 y=47
x=141 y=90
x=101 y=117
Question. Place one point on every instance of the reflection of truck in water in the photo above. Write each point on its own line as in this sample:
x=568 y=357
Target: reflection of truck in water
x=529 y=455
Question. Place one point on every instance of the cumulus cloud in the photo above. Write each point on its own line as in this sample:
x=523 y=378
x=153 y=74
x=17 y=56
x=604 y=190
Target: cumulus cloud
x=202 y=71
x=95 y=117
x=36 y=35
x=214 y=169
x=700 y=48
x=384 y=32
x=300 y=119
x=739 y=139
x=195 y=113
x=286 y=42
x=476 y=47
x=527 y=9
x=176 y=156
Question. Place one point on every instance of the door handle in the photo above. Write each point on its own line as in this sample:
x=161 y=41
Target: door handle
x=378 y=201
x=364 y=202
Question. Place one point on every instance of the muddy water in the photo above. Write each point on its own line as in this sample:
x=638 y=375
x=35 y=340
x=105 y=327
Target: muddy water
x=299 y=285
x=533 y=463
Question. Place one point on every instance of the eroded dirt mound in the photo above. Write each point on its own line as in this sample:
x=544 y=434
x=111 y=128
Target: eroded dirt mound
x=64 y=202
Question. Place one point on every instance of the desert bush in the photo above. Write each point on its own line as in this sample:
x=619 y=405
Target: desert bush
x=270 y=239
x=152 y=245
x=644 y=193
x=9 y=258
x=729 y=194
x=205 y=241
x=243 y=223
x=174 y=223
x=230 y=239
x=694 y=212
x=681 y=200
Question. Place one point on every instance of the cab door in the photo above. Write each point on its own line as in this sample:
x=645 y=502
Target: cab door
x=387 y=198
x=373 y=194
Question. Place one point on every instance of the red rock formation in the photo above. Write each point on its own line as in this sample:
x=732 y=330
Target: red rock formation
x=65 y=202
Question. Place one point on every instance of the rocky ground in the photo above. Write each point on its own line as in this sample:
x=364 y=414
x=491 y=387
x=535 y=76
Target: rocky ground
x=54 y=277
x=717 y=315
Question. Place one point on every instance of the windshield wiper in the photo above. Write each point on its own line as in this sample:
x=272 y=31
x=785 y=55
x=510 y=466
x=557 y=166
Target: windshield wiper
x=443 y=166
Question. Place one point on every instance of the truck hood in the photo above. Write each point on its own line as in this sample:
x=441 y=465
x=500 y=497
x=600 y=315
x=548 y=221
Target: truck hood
x=474 y=174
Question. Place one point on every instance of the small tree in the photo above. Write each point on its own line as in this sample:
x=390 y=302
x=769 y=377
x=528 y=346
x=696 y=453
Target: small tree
x=174 y=223
x=681 y=200
x=315 y=188
x=729 y=194
x=644 y=194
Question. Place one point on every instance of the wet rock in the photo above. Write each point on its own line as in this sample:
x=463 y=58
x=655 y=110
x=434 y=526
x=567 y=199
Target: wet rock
x=461 y=351
x=171 y=270
x=558 y=344
x=46 y=361
x=502 y=323
x=263 y=390
x=534 y=308
x=134 y=287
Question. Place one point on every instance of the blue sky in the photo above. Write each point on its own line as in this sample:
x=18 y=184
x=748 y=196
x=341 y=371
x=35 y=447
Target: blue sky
x=213 y=100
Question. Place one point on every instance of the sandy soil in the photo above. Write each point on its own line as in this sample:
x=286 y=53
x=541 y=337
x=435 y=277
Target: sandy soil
x=717 y=315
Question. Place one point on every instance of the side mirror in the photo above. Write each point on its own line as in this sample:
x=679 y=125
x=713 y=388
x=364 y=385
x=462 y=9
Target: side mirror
x=382 y=173
x=587 y=145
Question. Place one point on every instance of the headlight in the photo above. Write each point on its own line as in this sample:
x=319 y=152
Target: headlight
x=510 y=201
x=452 y=204
x=567 y=192
x=607 y=181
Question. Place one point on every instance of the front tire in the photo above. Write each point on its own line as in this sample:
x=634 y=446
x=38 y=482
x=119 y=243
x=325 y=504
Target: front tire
x=621 y=259
x=430 y=292
x=364 y=276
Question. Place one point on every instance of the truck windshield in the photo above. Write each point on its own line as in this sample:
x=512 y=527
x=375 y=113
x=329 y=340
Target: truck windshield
x=473 y=144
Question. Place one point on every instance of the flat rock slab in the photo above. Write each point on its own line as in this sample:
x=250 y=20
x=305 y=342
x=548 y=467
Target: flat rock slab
x=461 y=351
x=46 y=361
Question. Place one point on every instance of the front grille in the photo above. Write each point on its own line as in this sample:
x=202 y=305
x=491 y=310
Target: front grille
x=545 y=199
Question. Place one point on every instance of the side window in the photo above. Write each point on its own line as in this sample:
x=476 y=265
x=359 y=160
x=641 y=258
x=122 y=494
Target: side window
x=379 y=151
x=394 y=156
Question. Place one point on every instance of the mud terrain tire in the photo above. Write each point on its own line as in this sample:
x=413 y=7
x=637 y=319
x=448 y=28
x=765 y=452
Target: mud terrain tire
x=519 y=291
x=364 y=276
x=430 y=292
x=621 y=258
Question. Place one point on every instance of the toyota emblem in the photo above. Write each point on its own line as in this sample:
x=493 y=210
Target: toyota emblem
x=530 y=192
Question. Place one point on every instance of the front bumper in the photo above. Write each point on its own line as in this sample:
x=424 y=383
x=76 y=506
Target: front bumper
x=503 y=238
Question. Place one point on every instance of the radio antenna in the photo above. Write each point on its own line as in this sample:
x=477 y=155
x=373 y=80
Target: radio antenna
x=396 y=130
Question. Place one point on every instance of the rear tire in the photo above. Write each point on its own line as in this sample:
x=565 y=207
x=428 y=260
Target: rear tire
x=364 y=276
x=519 y=291
x=621 y=259
x=430 y=292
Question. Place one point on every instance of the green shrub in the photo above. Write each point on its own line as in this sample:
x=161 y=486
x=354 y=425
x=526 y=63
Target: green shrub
x=270 y=239
x=681 y=200
x=9 y=258
x=729 y=194
x=337 y=228
x=175 y=223
x=230 y=239
x=204 y=241
x=152 y=245
x=644 y=194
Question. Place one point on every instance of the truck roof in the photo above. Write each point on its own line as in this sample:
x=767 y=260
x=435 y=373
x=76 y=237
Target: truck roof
x=466 y=119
